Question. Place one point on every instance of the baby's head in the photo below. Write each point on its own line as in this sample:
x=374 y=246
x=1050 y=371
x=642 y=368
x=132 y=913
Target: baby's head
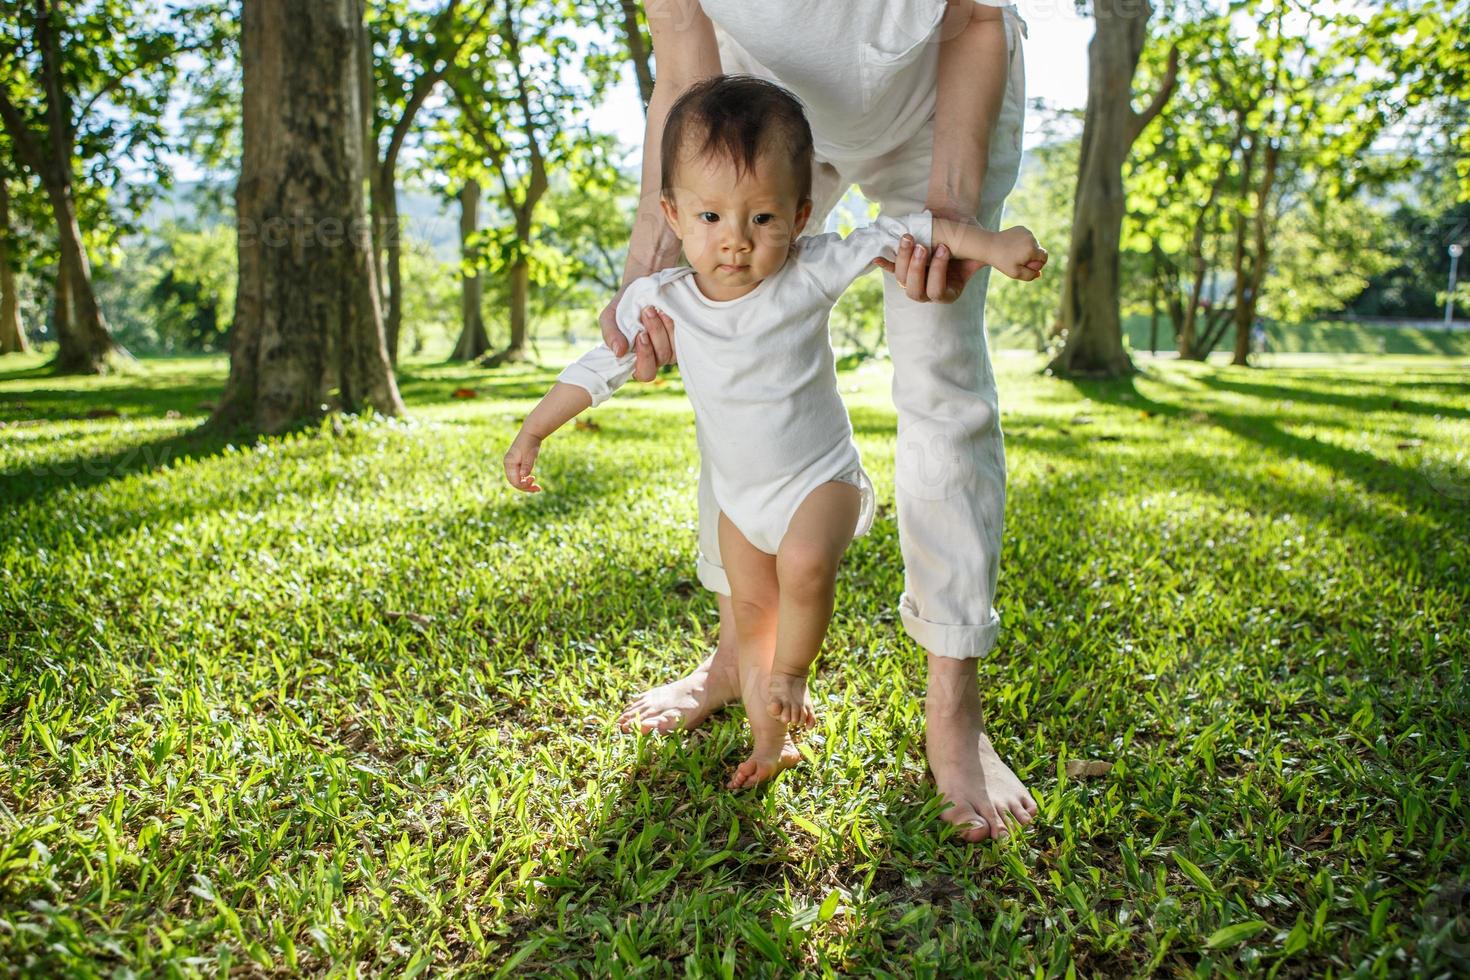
x=737 y=177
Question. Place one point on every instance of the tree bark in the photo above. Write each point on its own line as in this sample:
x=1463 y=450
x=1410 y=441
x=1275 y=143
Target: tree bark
x=393 y=322
x=61 y=310
x=1091 y=290
x=637 y=51
x=307 y=319
x=87 y=347
x=12 y=333
x=473 y=340
x=1247 y=294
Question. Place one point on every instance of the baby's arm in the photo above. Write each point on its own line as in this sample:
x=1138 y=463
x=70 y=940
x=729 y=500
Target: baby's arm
x=585 y=383
x=1014 y=251
x=559 y=406
x=834 y=262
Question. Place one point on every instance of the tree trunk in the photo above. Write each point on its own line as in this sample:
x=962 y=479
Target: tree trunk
x=88 y=347
x=1090 y=291
x=393 y=322
x=12 y=334
x=520 y=292
x=637 y=51
x=307 y=317
x=473 y=341
x=1240 y=313
x=1247 y=295
x=1153 y=319
x=369 y=89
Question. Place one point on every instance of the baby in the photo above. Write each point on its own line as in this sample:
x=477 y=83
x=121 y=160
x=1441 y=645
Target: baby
x=751 y=311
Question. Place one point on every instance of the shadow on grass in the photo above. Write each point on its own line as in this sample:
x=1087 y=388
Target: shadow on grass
x=20 y=487
x=1358 y=403
x=1367 y=471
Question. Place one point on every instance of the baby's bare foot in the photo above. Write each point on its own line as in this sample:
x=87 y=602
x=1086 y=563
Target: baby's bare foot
x=786 y=698
x=765 y=763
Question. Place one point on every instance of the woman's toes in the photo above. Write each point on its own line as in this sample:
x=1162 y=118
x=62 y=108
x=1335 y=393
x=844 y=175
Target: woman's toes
x=970 y=826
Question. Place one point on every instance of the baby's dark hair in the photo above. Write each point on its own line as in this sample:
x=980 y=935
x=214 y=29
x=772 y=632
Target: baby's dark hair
x=739 y=117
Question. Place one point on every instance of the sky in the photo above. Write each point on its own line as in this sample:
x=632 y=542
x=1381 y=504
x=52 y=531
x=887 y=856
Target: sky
x=1056 y=71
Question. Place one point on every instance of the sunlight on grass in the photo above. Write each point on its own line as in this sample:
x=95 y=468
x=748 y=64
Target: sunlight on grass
x=342 y=697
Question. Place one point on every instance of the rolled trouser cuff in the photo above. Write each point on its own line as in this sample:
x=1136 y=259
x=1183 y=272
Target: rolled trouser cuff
x=958 y=642
x=713 y=576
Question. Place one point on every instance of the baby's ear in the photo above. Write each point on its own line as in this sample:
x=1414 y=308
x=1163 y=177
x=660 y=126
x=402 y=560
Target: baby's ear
x=803 y=214
x=671 y=215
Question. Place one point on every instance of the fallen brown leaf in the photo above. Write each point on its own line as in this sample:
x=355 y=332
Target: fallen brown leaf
x=1411 y=443
x=413 y=617
x=463 y=393
x=1085 y=768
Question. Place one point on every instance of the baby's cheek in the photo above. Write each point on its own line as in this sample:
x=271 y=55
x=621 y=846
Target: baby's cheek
x=696 y=247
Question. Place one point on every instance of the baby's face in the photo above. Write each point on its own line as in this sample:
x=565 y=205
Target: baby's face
x=736 y=230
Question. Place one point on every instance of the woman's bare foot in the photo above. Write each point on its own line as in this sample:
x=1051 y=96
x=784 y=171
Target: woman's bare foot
x=786 y=698
x=688 y=701
x=981 y=789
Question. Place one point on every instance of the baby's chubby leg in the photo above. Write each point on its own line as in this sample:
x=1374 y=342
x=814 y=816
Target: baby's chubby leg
x=753 y=597
x=806 y=572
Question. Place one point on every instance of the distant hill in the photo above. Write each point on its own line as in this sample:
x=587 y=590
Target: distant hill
x=427 y=216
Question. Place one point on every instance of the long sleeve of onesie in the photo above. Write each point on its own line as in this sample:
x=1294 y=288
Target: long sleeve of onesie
x=600 y=371
x=834 y=262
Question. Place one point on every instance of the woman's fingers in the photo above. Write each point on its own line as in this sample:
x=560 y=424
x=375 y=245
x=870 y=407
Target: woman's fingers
x=938 y=281
x=607 y=320
x=660 y=330
x=915 y=281
x=645 y=365
x=904 y=255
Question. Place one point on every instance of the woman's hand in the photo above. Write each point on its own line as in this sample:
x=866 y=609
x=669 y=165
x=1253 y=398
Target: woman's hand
x=927 y=277
x=939 y=277
x=654 y=345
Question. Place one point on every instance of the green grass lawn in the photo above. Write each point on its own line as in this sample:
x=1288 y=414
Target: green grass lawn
x=341 y=701
x=1318 y=337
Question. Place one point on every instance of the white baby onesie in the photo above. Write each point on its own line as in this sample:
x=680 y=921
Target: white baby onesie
x=760 y=374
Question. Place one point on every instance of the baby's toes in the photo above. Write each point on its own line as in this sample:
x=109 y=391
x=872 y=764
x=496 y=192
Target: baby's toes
x=746 y=774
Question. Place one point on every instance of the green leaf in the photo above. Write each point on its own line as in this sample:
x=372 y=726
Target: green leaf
x=1238 y=933
x=1194 y=873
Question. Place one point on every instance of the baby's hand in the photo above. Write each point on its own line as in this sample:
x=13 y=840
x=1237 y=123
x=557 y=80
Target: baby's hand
x=1017 y=254
x=519 y=459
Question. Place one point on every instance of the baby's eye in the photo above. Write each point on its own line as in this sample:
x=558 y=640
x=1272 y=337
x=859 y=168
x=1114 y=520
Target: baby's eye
x=764 y=219
x=708 y=217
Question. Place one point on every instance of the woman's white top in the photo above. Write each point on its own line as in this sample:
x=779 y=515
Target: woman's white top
x=866 y=70
x=760 y=374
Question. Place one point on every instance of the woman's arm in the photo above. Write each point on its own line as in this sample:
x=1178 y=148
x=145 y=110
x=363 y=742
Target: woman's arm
x=971 y=89
x=684 y=51
x=973 y=67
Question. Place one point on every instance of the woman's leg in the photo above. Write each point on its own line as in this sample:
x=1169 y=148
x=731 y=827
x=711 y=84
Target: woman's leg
x=806 y=568
x=686 y=702
x=950 y=486
x=754 y=604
